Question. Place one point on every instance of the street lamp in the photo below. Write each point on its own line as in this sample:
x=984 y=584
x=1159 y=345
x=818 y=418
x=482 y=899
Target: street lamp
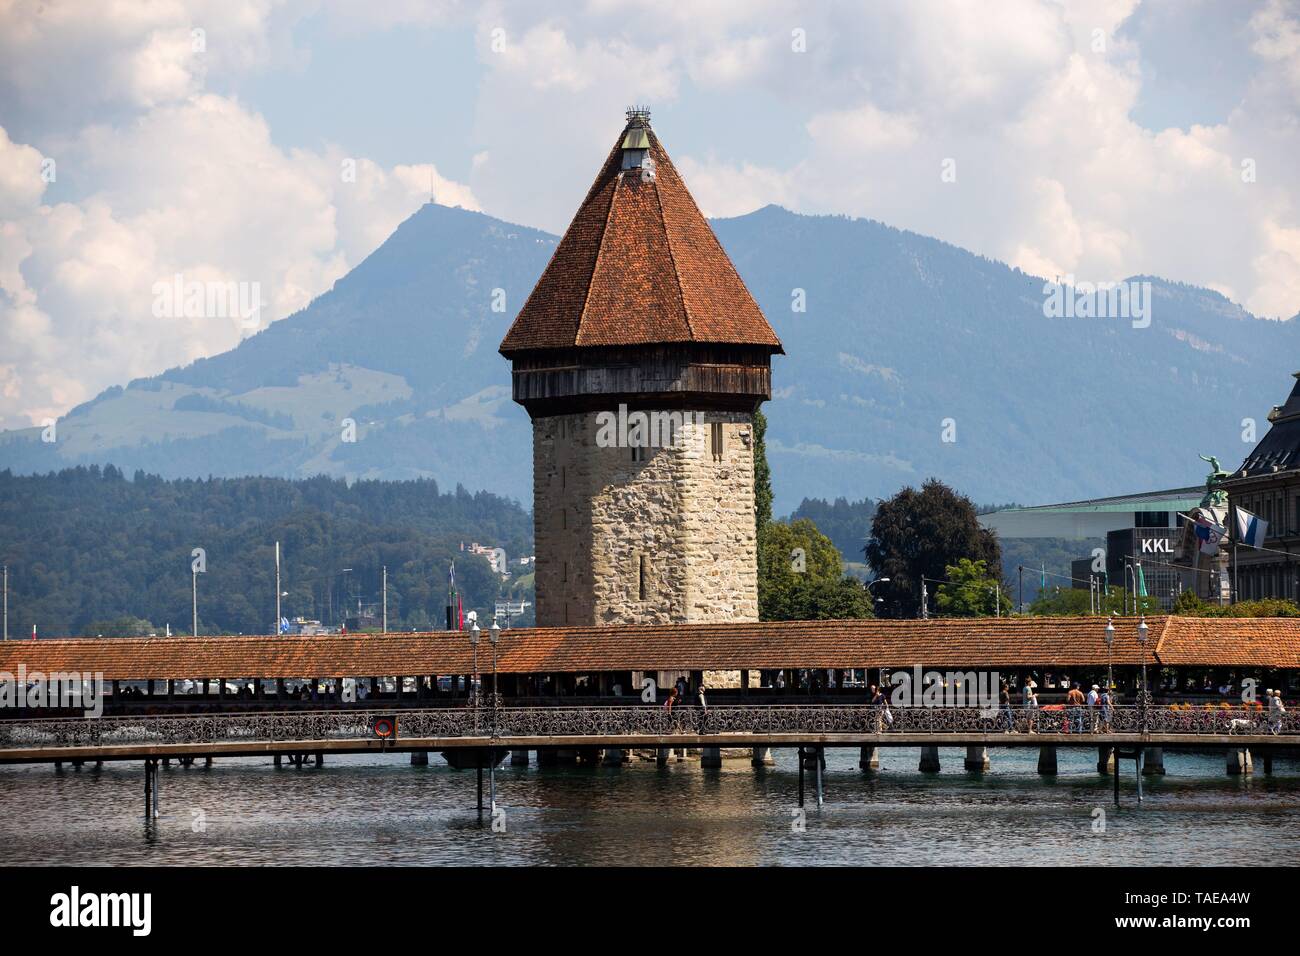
x=1110 y=670
x=494 y=635
x=872 y=584
x=1142 y=642
x=473 y=642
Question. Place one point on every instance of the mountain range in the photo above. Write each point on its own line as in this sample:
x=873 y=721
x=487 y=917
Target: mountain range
x=906 y=357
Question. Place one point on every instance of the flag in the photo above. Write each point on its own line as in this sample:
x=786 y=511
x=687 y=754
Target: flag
x=1141 y=582
x=1251 y=529
x=1208 y=532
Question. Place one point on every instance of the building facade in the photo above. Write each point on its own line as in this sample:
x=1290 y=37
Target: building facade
x=1267 y=485
x=641 y=358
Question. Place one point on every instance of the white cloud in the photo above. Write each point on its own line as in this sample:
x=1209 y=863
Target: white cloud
x=195 y=188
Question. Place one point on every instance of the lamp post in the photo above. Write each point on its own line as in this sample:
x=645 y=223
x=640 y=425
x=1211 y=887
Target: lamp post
x=875 y=600
x=473 y=642
x=1142 y=642
x=494 y=635
x=1110 y=644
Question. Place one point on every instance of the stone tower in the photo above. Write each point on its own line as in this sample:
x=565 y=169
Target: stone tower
x=641 y=358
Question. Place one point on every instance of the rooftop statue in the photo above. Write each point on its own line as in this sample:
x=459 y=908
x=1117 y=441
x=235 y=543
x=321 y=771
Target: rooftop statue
x=1215 y=495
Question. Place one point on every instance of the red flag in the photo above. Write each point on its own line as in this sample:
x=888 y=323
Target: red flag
x=460 y=615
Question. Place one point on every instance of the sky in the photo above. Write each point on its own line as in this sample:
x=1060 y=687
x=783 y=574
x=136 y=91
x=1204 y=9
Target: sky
x=278 y=143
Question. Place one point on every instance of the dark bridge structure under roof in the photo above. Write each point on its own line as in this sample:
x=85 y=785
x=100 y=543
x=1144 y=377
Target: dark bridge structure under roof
x=1267 y=644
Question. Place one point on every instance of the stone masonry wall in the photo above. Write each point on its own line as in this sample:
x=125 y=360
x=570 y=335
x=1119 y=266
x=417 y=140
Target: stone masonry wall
x=599 y=514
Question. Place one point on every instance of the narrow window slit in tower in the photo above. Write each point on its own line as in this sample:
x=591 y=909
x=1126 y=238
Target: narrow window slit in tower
x=640 y=573
x=715 y=434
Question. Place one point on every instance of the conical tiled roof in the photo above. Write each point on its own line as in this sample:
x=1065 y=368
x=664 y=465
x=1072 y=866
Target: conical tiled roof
x=639 y=265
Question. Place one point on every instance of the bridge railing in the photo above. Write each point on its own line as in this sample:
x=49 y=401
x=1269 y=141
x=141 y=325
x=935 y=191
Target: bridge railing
x=638 y=721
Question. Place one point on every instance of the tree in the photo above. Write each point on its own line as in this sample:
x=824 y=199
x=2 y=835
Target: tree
x=762 y=475
x=918 y=534
x=1066 y=602
x=1191 y=605
x=970 y=591
x=801 y=576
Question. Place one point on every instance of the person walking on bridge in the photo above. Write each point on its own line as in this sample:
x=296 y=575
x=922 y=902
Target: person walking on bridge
x=1094 y=701
x=1276 y=711
x=704 y=711
x=1074 y=701
x=1004 y=701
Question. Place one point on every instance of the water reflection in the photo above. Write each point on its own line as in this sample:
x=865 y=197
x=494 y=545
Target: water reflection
x=380 y=810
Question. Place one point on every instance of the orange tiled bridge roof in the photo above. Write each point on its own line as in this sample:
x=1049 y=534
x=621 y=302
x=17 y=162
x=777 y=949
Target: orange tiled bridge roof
x=951 y=643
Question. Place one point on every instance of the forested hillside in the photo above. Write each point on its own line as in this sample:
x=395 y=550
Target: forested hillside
x=87 y=547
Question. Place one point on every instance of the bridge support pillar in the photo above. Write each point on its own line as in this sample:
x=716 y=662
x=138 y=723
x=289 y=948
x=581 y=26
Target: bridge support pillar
x=519 y=758
x=1268 y=761
x=419 y=758
x=566 y=756
x=615 y=757
x=207 y=763
x=977 y=759
x=869 y=759
x=1106 y=760
x=278 y=761
x=661 y=757
x=1239 y=762
x=711 y=757
x=1154 y=761
x=761 y=757
x=320 y=759
x=1047 y=761
x=929 y=760
x=547 y=757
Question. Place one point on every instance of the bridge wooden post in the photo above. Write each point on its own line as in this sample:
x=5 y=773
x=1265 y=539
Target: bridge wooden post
x=419 y=758
x=661 y=757
x=977 y=758
x=1047 y=760
x=519 y=758
x=277 y=761
x=1154 y=761
x=801 y=776
x=1268 y=761
x=1239 y=761
x=820 y=763
x=761 y=757
x=151 y=789
x=869 y=759
x=929 y=760
x=1106 y=760
x=711 y=757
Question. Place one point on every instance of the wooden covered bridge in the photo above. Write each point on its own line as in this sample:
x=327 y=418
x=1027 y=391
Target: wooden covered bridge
x=600 y=692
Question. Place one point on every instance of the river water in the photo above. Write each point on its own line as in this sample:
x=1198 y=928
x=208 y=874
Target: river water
x=362 y=809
